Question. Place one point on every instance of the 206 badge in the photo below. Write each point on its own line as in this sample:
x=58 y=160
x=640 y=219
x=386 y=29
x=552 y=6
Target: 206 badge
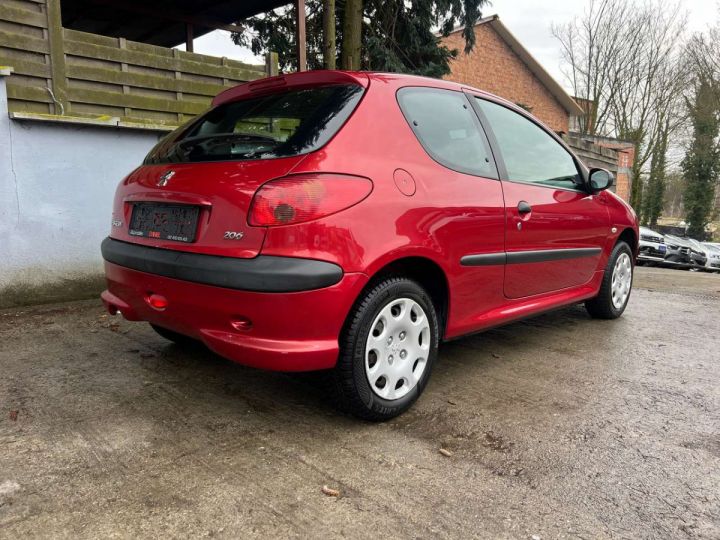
x=233 y=235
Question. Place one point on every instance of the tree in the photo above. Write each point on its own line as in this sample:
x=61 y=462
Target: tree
x=329 y=43
x=654 y=190
x=596 y=48
x=394 y=35
x=624 y=59
x=352 y=35
x=701 y=165
x=674 y=187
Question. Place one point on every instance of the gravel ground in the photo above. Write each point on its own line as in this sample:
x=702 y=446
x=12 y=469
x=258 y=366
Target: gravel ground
x=558 y=427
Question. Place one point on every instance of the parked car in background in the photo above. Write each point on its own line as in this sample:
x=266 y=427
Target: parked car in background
x=352 y=221
x=711 y=254
x=652 y=246
x=697 y=254
x=678 y=251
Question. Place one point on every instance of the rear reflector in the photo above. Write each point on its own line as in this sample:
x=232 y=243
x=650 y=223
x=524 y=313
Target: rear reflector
x=157 y=301
x=304 y=197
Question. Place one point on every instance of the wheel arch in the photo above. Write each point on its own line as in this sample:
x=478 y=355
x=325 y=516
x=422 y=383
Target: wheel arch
x=427 y=273
x=630 y=237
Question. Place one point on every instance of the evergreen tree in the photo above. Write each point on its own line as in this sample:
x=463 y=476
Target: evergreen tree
x=654 y=192
x=701 y=165
x=396 y=35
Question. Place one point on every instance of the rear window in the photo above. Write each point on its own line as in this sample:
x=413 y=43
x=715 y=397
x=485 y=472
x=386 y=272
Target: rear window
x=277 y=125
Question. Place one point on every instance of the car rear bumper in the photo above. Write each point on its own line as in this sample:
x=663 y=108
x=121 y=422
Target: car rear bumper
x=262 y=273
x=295 y=331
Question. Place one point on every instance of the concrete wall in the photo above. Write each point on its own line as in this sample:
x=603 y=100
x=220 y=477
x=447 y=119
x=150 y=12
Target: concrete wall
x=56 y=186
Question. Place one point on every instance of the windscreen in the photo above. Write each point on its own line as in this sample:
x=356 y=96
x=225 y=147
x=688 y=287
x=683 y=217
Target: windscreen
x=278 y=125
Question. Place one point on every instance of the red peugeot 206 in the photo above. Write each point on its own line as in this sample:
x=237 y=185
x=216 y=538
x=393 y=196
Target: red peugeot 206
x=351 y=221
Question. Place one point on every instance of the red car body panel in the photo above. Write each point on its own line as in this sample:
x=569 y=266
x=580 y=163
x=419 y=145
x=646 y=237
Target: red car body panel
x=289 y=332
x=417 y=209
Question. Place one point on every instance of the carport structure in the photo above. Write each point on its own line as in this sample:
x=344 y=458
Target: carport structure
x=169 y=23
x=99 y=59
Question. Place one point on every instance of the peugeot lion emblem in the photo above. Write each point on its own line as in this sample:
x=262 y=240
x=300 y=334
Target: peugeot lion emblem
x=165 y=178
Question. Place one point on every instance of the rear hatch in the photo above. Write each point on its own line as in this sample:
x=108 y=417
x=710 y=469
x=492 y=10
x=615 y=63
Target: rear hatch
x=198 y=208
x=194 y=191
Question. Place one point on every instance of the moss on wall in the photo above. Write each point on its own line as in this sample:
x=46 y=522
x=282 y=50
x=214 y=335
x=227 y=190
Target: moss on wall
x=73 y=288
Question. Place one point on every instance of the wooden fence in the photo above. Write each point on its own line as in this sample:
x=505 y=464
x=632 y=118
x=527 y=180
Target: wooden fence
x=65 y=72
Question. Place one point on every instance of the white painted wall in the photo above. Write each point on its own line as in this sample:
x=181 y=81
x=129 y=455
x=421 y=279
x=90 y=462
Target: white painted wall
x=56 y=187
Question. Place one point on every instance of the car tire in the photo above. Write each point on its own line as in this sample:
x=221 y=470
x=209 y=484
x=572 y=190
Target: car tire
x=175 y=337
x=616 y=285
x=382 y=340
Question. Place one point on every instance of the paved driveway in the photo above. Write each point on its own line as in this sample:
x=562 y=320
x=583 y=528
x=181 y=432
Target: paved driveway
x=556 y=427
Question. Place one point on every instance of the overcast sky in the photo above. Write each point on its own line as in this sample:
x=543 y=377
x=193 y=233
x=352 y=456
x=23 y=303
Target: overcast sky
x=528 y=20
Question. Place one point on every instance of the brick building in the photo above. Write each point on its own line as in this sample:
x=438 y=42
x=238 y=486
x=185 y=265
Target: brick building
x=499 y=64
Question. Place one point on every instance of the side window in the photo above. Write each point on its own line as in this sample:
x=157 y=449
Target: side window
x=448 y=129
x=530 y=153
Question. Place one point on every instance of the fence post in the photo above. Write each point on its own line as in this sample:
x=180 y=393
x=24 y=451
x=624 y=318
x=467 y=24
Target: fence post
x=178 y=76
x=271 y=64
x=122 y=44
x=57 y=57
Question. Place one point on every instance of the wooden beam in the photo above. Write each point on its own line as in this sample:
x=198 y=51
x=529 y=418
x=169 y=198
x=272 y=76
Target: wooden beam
x=155 y=13
x=271 y=64
x=189 y=37
x=57 y=57
x=300 y=35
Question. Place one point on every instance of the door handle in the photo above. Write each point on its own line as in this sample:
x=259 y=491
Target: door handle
x=524 y=207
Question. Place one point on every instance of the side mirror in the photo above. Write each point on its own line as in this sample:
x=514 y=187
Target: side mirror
x=600 y=179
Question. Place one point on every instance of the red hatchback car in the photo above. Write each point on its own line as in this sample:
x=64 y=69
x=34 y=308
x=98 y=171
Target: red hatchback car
x=351 y=221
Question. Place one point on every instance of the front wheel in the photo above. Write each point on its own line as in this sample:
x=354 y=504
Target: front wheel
x=616 y=285
x=387 y=350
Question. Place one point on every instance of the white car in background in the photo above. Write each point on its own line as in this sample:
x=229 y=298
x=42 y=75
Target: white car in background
x=712 y=252
x=652 y=246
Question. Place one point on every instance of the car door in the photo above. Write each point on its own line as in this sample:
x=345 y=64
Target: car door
x=459 y=210
x=555 y=228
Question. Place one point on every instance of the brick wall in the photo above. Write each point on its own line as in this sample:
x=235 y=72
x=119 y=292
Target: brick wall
x=626 y=158
x=492 y=66
x=624 y=152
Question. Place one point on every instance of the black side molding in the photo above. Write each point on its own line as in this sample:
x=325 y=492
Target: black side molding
x=522 y=257
x=484 y=259
x=264 y=273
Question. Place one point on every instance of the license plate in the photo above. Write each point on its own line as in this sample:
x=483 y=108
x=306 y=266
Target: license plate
x=176 y=222
x=662 y=249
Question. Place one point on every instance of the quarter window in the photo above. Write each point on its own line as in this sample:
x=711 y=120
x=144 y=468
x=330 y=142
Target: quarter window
x=447 y=128
x=529 y=152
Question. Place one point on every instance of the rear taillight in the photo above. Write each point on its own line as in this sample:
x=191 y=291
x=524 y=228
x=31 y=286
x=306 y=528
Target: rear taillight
x=304 y=197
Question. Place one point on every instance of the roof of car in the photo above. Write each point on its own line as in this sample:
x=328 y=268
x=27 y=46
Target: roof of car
x=322 y=76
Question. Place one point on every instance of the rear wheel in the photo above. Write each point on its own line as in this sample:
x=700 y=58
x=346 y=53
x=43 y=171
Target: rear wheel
x=616 y=285
x=175 y=337
x=387 y=351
